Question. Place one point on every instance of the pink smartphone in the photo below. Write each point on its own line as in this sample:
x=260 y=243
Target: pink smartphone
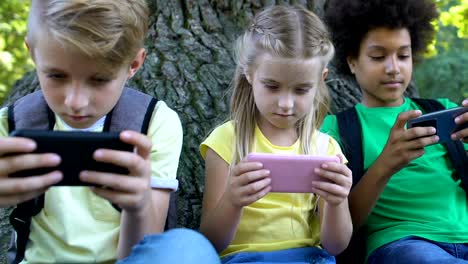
x=291 y=173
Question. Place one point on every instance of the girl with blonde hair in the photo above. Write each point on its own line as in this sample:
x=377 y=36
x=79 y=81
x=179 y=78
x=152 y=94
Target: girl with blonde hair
x=279 y=101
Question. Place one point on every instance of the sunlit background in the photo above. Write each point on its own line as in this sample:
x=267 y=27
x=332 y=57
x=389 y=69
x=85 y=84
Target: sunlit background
x=442 y=74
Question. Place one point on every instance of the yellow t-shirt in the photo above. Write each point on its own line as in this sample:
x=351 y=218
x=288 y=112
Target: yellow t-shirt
x=278 y=220
x=77 y=226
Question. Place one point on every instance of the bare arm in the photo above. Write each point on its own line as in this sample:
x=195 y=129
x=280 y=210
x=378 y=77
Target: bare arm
x=225 y=196
x=403 y=146
x=150 y=220
x=336 y=226
x=142 y=213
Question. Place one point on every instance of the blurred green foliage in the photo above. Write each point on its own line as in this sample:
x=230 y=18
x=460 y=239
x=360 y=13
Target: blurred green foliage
x=443 y=73
x=14 y=58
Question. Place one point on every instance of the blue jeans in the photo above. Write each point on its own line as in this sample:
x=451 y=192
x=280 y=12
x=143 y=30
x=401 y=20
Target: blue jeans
x=306 y=255
x=180 y=245
x=414 y=249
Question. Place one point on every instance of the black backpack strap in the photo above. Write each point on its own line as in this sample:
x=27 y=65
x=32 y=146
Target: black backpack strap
x=455 y=149
x=428 y=105
x=11 y=118
x=20 y=219
x=132 y=102
x=128 y=112
x=350 y=131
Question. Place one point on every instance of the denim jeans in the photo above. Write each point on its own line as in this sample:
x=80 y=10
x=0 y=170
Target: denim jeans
x=414 y=249
x=181 y=246
x=306 y=255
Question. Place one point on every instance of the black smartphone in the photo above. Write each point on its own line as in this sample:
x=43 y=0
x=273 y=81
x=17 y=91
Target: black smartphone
x=76 y=151
x=443 y=121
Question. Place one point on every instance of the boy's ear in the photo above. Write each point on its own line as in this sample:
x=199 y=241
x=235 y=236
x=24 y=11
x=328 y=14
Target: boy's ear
x=28 y=46
x=324 y=73
x=137 y=62
x=351 y=63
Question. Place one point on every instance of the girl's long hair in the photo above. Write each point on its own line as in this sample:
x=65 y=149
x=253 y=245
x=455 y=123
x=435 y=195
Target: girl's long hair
x=286 y=32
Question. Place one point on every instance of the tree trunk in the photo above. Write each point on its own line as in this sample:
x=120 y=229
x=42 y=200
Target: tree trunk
x=190 y=65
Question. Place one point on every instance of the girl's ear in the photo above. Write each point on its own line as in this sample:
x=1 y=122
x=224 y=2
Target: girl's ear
x=351 y=63
x=247 y=76
x=324 y=73
x=137 y=62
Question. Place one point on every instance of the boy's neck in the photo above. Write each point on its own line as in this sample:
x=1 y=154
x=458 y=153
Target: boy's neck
x=97 y=126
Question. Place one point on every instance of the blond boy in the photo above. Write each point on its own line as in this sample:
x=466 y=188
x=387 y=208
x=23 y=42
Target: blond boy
x=84 y=52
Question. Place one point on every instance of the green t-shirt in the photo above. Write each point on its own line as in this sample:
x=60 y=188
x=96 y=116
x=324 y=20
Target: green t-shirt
x=422 y=199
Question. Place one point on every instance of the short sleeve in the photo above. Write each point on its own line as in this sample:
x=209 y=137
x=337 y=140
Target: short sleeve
x=221 y=141
x=165 y=131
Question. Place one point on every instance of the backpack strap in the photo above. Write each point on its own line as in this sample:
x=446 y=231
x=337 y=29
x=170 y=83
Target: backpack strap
x=455 y=149
x=20 y=219
x=43 y=118
x=30 y=112
x=350 y=131
x=127 y=114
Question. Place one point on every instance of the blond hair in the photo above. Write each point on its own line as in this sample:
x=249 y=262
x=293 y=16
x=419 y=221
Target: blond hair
x=108 y=31
x=287 y=32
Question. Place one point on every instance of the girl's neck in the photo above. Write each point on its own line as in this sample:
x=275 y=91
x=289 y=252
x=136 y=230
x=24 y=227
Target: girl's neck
x=283 y=137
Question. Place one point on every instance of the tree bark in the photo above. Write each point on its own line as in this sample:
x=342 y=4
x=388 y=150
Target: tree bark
x=190 y=66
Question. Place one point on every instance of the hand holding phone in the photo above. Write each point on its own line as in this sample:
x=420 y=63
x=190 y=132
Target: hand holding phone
x=443 y=121
x=291 y=173
x=76 y=151
x=17 y=190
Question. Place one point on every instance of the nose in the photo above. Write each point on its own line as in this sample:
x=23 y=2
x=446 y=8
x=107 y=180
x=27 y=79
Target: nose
x=286 y=101
x=76 y=97
x=391 y=65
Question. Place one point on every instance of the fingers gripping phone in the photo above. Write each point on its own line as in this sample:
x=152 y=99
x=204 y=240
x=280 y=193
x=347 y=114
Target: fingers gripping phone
x=443 y=121
x=76 y=151
x=292 y=173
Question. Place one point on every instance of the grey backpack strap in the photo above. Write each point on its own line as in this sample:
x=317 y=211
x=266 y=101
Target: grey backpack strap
x=31 y=112
x=128 y=112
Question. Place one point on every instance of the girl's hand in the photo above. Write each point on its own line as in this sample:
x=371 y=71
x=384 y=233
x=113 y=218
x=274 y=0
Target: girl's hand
x=462 y=119
x=130 y=192
x=405 y=145
x=338 y=182
x=247 y=183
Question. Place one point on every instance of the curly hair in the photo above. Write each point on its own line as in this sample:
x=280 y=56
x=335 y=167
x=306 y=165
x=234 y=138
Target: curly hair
x=350 y=20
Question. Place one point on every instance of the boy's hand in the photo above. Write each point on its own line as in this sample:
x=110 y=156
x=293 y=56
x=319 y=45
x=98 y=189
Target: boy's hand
x=16 y=190
x=247 y=183
x=340 y=180
x=462 y=119
x=130 y=192
x=405 y=145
